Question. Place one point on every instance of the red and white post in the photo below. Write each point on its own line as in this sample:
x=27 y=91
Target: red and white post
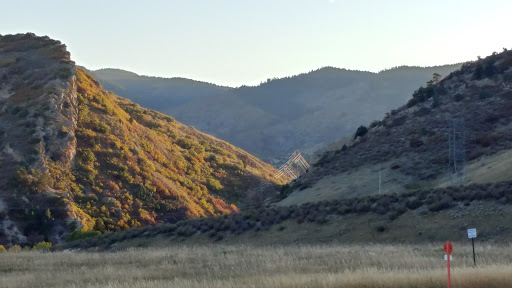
x=448 y=248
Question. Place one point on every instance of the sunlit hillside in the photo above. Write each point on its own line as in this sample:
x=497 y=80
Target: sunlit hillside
x=78 y=158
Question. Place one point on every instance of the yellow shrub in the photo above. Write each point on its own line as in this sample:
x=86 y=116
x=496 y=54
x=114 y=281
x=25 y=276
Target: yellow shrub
x=15 y=248
x=42 y=246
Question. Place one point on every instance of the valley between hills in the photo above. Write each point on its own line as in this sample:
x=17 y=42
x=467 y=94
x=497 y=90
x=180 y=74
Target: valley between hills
x=86 y=170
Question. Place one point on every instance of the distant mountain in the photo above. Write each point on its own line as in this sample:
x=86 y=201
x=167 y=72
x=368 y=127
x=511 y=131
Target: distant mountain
x=154 y=91
x=76 y=158
x=271 y=120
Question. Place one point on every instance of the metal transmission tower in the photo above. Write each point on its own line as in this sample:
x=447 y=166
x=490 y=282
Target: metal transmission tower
x=294 y=167
x=457 y=151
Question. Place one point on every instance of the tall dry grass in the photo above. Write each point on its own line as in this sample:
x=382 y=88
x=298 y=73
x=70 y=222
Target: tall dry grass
x=241 y=266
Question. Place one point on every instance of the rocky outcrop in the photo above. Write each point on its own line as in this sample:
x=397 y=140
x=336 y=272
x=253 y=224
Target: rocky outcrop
x=38 y=118
x=39 y=93
x=60 y=125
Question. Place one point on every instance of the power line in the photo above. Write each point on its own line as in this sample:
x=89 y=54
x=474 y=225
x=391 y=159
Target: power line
x=457 y=151
x=294 y=167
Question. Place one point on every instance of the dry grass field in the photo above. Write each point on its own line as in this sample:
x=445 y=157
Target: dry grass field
x=243 y=266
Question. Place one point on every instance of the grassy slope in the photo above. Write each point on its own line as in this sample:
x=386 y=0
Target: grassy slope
x=410 y=146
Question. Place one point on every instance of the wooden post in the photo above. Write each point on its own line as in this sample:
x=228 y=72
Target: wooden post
x=474 y=257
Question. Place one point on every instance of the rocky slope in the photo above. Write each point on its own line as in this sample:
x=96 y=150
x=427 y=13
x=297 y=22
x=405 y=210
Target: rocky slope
x=273 y=119
x=75 y=157
x=409 y=148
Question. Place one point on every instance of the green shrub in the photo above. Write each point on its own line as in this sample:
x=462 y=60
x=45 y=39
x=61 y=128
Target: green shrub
x=489 y=69
x=484 y=95
x=487 y=140
x=213 y=184
x=445 y=202
x=361 y=131
x=414 y=204
x=423 y=93
x=42 y=246
x=23 y=113
x=458 y=97
x=376 y=123
x=398 y=121
x=34 y=141
x=2 y=249
x=77 y=235
x=101 y=127
x=435 y=101
x=63 y=131
x=15 y=110
x=219 y=237
x=411 y=102
x=83 y=113
x=184 y=143
x=479 y=72
x=380 y=228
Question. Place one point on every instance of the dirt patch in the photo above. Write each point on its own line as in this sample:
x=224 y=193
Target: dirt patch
x=361 y=181
x=5 y=93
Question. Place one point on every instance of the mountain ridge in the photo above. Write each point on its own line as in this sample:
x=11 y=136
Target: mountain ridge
x=305 y=111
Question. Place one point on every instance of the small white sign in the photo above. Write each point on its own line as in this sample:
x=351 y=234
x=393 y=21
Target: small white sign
x=472 y=233
x=446 y=258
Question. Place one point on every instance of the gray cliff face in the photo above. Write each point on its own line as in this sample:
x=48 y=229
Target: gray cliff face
x=38 y=102
x=59 y=132
x=38 y=118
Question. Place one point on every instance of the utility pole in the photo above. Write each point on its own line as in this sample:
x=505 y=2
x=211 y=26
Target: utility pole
x=457 y=151
x=380 y=180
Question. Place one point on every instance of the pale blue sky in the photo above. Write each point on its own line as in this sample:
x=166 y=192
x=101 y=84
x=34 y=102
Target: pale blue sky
x=235 y=42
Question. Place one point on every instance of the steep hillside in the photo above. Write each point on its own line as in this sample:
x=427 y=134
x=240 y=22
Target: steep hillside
x=409 y=148
x=75 y=157
x=271 y=120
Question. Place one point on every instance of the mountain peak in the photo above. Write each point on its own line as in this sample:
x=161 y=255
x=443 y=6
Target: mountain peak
x=115 y=72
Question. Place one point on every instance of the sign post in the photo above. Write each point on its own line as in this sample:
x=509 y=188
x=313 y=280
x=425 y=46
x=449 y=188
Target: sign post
x=448 y=248
x=472 y=236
